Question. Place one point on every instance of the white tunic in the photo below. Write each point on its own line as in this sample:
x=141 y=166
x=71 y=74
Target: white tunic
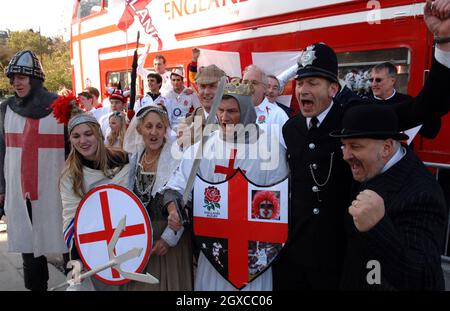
x=44 y=235
x=179 y=105
x=216 y=152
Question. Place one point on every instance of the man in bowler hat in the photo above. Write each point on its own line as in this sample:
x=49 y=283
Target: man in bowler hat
x=320 y=178
x=396 y=223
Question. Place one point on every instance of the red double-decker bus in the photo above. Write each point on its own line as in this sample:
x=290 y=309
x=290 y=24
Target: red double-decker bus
x=363 y=33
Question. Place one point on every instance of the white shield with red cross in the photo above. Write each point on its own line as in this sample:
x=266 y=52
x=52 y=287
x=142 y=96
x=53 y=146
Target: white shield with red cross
x=97 y=217
x=240 y=227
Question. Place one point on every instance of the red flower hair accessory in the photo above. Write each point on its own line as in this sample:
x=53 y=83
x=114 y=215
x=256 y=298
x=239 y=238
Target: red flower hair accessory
x=65 y=107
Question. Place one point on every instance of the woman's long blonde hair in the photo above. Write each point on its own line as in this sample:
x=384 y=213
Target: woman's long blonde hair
x=113 y=135
x=104 y=157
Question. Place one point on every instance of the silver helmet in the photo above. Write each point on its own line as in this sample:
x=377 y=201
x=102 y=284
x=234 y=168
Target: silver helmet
x=25 y=63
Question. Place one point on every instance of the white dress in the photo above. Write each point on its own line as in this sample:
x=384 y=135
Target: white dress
x=217 y=152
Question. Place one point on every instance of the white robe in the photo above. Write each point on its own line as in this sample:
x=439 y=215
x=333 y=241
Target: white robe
x=44 y=235
x=217 y=152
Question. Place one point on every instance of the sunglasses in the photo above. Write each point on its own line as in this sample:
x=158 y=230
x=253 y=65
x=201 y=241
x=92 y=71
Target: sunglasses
x=377 y=80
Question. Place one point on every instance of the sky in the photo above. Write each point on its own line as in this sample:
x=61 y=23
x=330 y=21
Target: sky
x=52 y=16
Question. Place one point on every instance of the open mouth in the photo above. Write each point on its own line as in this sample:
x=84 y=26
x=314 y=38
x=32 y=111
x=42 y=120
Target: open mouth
x=307 y=105
x=85 y=147
x=307 y=102
x=153 y=139
x=356 y=166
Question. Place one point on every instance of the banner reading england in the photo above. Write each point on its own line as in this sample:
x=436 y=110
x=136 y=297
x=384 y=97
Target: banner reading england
x=240 y=227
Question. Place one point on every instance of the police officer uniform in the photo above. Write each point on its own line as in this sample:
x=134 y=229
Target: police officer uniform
x=321 y=180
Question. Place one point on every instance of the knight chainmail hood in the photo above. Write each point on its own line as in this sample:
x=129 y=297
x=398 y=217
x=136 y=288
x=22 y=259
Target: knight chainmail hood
x=247 y=131
x=35 y=105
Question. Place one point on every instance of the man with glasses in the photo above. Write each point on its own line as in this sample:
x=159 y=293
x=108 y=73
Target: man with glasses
x=383 y=78
x=266 y=112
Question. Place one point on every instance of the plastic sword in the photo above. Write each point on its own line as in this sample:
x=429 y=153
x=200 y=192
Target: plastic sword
x=115 y=262
x=209 y=120
x=198 y=155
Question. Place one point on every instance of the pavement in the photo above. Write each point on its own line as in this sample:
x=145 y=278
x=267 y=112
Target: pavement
x=11 y=270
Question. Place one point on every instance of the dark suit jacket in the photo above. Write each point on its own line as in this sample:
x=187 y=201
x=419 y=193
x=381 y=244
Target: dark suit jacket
x=316 y=225
x=407 y=241
x=430 y=128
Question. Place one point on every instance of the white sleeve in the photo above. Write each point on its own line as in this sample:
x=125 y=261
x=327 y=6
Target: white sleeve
x=442 y=57
x=69 y=200
x=179 y=178
x=170 y=237
x=137 y=105
x=140 y=67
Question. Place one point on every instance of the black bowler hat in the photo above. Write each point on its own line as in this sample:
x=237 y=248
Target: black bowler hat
x=370 y=121
x=318 y=60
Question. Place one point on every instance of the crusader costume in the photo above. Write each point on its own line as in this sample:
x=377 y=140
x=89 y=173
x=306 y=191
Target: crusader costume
x=221 y=157
x=31 y=159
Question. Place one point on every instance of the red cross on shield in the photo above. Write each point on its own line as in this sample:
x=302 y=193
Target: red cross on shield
x=97 y=217
x=224 y=224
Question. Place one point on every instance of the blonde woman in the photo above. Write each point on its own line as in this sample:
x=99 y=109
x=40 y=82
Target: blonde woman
x=88 y=165
x=150 y=141
x=117 y=129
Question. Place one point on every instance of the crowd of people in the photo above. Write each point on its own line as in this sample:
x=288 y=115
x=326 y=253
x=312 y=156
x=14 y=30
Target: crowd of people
x=357 y=192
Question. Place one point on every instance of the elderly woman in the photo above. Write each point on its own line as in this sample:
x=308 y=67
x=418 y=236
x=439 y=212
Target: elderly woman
x=88 y=165
x=152 y=163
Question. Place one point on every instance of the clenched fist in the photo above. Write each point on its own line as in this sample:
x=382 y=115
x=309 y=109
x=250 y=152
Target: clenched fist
x=367 y=210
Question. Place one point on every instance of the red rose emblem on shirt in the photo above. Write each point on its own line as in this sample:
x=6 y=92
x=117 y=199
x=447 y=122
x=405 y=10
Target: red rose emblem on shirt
x=212 y=198
x=212 y=194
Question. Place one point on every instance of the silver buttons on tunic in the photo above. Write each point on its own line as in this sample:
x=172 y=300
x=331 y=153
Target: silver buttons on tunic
x=316 y=211
x=315 y=166
x=312 y=146
x=315 y=189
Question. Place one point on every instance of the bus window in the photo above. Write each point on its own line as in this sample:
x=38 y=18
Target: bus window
x=354 y=68
x=89 y=7
x=124 y=77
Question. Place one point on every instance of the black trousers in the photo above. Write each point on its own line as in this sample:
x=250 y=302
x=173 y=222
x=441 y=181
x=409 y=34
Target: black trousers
x=35 y=272
x=289 y=276
x=35 y=269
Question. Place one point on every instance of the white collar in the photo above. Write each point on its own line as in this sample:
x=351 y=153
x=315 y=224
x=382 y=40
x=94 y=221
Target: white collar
x=265 y=103
x=320 y=117
x=399 y=154
x=393 y=93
